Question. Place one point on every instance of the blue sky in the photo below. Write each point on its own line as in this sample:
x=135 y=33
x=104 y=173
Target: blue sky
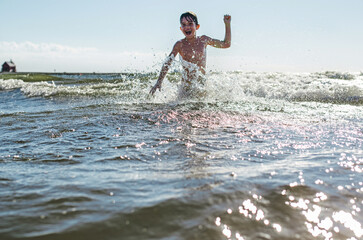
x=116 y=36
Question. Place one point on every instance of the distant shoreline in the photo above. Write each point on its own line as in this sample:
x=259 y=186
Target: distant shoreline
x=65 y=73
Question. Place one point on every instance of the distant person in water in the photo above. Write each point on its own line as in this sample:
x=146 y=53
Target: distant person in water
x=192 y=50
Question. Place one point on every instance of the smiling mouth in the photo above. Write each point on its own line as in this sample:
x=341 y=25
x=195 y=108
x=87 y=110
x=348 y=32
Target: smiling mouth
x=188 y=32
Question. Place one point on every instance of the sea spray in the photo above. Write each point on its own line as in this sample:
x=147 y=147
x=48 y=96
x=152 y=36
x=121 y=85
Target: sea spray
x=219 y=86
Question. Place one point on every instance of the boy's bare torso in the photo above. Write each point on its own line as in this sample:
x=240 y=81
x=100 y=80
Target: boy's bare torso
x=194 y=51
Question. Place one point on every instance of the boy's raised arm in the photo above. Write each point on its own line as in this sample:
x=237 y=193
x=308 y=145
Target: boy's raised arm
x=226 y=43
x=165 y=68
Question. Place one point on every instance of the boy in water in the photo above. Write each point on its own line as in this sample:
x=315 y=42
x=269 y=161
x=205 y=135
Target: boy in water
x=192 y=50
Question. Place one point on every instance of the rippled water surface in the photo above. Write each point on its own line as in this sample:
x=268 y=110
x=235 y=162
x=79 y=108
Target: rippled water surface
x=261 y=156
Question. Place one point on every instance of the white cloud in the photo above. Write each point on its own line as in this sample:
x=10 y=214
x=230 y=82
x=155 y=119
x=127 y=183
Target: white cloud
x=42 y=48
x=49 y=57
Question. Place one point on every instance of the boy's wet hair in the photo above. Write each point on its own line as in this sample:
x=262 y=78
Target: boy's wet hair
x=189 y=16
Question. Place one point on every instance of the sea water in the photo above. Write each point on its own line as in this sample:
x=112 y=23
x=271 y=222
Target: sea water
x=260 y=156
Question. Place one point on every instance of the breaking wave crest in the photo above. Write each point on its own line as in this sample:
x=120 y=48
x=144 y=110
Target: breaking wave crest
x=328 y=87
x=290 y=87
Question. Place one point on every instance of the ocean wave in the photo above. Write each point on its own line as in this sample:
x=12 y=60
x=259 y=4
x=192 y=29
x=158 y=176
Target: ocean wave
x=328 y=87
x=287 y=86
x=336 y=75
x=47 y=89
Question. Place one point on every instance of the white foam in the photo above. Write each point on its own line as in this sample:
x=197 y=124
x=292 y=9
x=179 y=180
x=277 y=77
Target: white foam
x=219 y=87
x=10 y=84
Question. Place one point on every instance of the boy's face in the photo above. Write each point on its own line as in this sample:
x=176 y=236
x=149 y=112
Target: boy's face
x=188 y=27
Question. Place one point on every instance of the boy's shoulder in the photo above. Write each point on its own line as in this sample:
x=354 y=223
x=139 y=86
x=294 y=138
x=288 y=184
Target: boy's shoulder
x=178 y=44
x=205 y=38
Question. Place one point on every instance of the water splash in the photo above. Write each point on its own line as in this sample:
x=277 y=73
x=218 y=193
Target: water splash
x=223 y=86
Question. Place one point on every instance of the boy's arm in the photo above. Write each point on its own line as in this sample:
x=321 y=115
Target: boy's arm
x=165 y=68
x=227 y=38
